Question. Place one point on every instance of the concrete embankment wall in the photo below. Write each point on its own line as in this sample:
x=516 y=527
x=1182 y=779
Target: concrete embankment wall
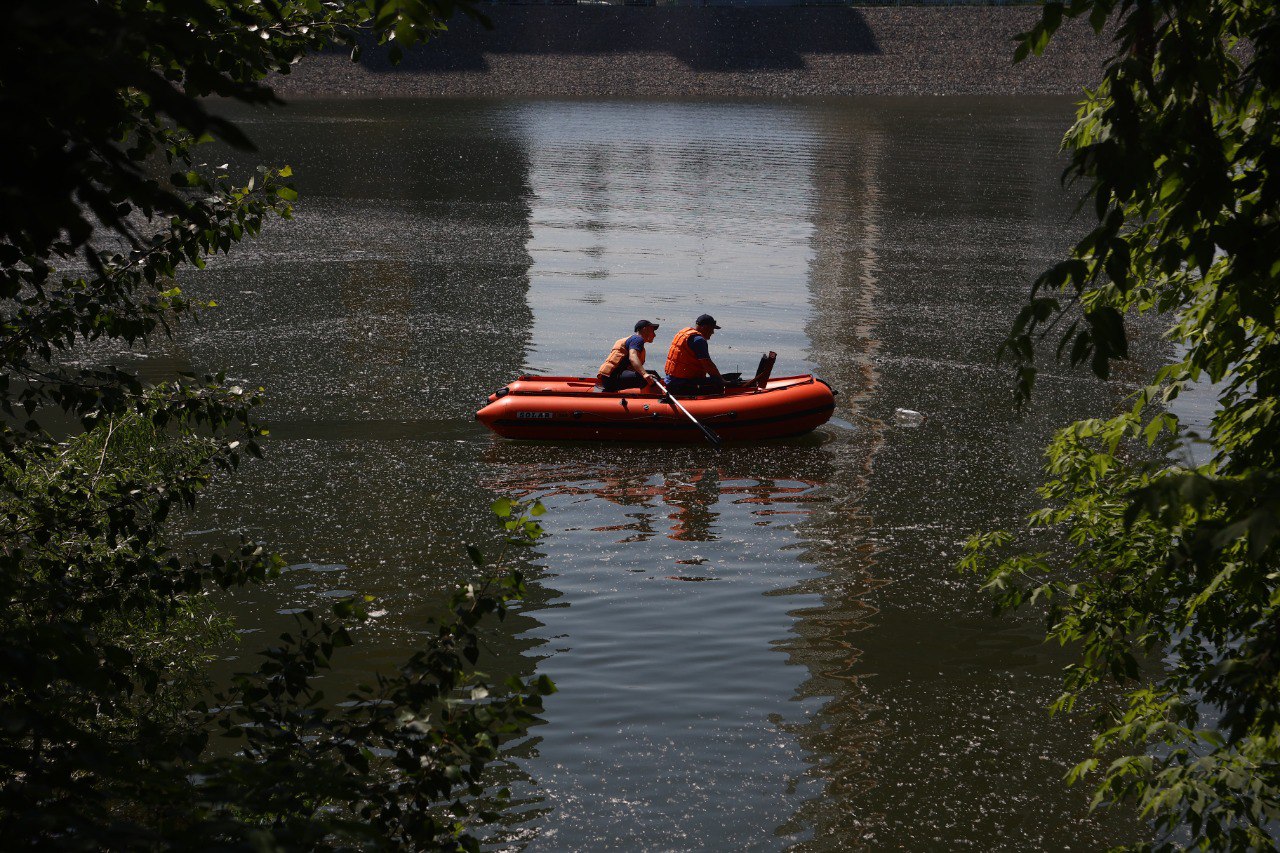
x=622 y=51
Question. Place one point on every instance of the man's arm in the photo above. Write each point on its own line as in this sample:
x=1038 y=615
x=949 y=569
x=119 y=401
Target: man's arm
x=702 y=352
x=633 y=356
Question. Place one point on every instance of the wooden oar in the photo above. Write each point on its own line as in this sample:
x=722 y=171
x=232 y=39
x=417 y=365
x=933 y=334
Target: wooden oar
x=711 y=436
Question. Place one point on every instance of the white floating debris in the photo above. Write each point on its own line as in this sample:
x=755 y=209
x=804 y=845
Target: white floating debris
x=908 y=417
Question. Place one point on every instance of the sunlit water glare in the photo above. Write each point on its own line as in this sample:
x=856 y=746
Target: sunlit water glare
x=756 y=649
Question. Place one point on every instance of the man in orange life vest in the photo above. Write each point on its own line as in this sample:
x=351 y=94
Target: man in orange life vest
x=690 y=369
x=624 y=368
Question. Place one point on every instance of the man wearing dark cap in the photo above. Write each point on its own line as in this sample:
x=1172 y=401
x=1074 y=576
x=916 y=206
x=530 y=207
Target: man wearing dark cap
x=624 y=368
x=690 y=370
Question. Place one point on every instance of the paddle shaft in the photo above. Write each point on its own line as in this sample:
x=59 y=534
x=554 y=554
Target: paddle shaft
x=706 y=431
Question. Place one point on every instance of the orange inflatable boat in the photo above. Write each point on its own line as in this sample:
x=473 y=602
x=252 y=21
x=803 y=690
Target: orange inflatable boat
x=565 y=407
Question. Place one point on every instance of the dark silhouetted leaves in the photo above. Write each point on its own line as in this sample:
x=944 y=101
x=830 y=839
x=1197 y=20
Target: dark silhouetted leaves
x=105 y=631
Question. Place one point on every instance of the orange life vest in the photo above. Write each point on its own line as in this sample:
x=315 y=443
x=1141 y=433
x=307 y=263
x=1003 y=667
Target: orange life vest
x=681 y=362
x=617 y=360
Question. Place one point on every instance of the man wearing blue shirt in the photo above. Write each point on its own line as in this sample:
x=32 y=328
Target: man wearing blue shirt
x=624 y=368
x=689 y=368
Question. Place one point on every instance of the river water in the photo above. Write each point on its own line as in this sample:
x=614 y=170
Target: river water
x=762 y=648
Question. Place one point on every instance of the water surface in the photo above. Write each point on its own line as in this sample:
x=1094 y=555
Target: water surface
x=762 y=648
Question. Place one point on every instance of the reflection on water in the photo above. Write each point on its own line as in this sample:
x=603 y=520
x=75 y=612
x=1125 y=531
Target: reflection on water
x=680 y=504
x=844 y=334
x=681 y=208
x=762 y=648
x=682 y=574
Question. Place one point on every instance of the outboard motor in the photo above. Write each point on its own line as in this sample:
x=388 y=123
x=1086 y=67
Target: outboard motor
x=764 y=369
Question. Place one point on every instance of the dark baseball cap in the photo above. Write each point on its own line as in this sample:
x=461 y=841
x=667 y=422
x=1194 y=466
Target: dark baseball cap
x=640 y=324
x=705 y=320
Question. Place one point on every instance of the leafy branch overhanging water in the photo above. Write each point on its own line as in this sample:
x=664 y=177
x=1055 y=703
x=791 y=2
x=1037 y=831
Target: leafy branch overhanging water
x=103 y=740
x=1168 y=586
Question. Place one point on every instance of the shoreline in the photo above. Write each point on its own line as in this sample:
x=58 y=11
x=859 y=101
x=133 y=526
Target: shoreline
x=717 y=53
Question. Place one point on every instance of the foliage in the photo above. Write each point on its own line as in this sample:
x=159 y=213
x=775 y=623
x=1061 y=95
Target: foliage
x=391 y=771
x=102 y=202
x=1168 y=585
x=171 y=641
